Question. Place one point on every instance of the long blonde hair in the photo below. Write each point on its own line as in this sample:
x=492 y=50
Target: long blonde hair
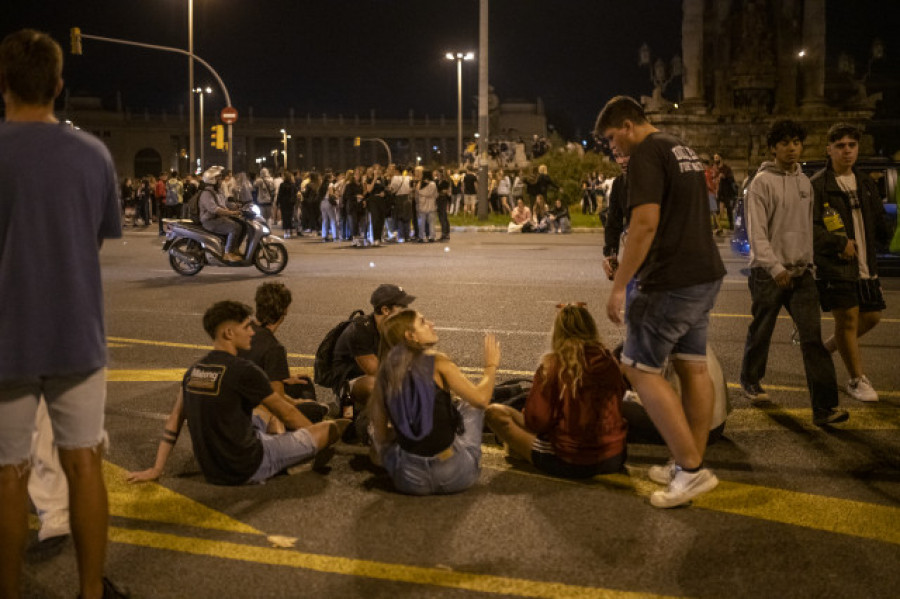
x=573 y=330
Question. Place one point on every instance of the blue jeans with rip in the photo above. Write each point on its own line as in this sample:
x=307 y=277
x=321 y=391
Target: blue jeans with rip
x=419 y=475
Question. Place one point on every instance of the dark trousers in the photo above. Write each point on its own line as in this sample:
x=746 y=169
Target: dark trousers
x=287 y=215
x=443 y=205
x=377 y=210
x=402 y=215
x=802 y=302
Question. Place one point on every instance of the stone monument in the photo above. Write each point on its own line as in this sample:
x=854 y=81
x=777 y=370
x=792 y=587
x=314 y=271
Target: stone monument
x=743 y=62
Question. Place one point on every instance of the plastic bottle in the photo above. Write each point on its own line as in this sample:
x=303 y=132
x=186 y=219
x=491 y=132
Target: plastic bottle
x=833 y=221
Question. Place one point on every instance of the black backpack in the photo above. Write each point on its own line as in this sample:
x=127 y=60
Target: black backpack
x=193 y=205
x=324 y=373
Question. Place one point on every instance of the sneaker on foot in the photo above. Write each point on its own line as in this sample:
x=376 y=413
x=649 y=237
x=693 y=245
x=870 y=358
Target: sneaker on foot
x=832 y=417
x=861 y=389
x=684 y=487
x=754 y=392
x=662 y=475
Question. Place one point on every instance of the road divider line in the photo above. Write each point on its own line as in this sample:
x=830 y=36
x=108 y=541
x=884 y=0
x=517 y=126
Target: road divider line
x=805 y=390
x=418 y=575
x=152 y=375
x=818 y=512
x=155 y=503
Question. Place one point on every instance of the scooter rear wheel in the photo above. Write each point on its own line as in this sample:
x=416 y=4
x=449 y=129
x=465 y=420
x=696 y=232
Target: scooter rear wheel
x=186 y=257
x=270 y=258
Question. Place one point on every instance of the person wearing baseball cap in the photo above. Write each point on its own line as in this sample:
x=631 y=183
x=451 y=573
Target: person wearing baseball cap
x=356 y=350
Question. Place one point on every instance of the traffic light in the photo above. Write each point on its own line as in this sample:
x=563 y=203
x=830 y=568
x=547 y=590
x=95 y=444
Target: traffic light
x=356 y=141
x=217 y=139
x=75 y=39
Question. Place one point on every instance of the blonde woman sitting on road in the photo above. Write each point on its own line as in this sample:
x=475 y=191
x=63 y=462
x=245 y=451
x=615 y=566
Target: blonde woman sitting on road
x=572 y=423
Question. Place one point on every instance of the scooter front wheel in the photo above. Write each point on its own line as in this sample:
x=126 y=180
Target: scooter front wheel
x=270 y=258
x=186 y=257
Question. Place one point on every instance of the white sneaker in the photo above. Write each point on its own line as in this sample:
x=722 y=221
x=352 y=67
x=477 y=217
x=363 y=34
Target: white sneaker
x=684 y=487
x=662 y=475
x=861 y=389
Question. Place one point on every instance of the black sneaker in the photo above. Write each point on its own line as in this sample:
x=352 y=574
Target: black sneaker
x=113 y=591
x=754 y=392
x=833 y=416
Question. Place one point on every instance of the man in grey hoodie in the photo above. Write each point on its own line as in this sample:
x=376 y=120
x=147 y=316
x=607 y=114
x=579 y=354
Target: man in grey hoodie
x=779 y=209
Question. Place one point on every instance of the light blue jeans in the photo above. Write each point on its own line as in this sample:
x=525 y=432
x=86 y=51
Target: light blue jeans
x=329 y=219
x=417 y=475
x=280 y=451
x=430 y=218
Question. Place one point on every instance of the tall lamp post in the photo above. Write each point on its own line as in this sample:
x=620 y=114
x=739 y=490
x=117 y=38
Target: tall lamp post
x=459 y=57
x=201 y=91
x=284 y=138
x=191 y=151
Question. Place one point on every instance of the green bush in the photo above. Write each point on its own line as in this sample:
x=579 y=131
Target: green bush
x=567 y=169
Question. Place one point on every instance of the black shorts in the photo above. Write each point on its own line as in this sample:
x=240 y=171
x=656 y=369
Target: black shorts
x=843 y=295
x=543 y=458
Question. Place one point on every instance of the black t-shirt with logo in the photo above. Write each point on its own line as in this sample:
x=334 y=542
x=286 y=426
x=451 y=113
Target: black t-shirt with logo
x=360 y=338
x=268 y=353
x=662 y=170
x=220 y=392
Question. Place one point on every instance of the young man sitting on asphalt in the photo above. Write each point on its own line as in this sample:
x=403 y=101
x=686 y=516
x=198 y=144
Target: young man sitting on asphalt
x=356 y=350
x=220 y=397
x=272 y=303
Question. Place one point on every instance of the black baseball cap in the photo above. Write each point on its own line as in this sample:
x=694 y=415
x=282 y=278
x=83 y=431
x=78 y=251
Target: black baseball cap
x=390 y=295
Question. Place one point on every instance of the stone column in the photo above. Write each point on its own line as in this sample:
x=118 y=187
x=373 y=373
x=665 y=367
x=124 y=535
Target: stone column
x=692 y=56
x=814 y=60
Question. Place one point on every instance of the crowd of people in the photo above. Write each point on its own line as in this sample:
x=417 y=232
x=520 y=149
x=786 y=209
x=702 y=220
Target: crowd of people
x=366 y=205
x=812 y=245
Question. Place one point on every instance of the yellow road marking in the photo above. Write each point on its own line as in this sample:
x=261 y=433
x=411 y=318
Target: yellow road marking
x=805 y=390
x=365 y=568
x=769 y=418
x=818 y=512
x=155 y=503
x=786 y=317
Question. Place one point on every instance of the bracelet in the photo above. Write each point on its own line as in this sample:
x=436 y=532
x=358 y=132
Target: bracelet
x=169 y=437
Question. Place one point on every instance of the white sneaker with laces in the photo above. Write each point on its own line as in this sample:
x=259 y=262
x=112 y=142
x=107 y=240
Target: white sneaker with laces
x=662 y=475
x=684 y=487
x=861 y=389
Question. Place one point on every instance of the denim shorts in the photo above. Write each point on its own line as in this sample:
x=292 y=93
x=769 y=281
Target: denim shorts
x=75 y=404
x=668 y=323
x=455 y=469
x=280 y=451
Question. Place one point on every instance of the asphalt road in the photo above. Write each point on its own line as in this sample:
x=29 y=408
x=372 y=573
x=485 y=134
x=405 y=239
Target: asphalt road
x=800 y=512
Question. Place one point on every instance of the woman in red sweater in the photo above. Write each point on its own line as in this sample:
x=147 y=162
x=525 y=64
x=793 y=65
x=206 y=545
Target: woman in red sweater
x=572 y=424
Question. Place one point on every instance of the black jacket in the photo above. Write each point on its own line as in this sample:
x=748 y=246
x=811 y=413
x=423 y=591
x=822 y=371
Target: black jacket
x=827 y=246
x=616 y=216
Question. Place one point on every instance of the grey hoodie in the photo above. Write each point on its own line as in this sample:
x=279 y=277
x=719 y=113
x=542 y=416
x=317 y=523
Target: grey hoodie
x=779 y=210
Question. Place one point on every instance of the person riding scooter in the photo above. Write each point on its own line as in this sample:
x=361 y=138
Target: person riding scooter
x=215 y=215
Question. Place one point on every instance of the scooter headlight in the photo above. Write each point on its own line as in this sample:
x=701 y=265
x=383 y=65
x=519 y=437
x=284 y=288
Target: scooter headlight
x=255 y=210
x=266 y=230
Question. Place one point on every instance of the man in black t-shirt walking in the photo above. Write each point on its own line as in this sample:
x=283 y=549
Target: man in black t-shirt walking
x=671 y=252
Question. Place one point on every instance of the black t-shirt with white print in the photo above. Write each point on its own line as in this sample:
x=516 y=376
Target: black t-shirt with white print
x=220 y=392
x=662 y=170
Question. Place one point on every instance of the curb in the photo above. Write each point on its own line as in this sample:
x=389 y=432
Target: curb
x=499 y=229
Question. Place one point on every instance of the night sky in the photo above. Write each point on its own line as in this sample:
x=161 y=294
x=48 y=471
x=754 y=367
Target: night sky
x=350 y=56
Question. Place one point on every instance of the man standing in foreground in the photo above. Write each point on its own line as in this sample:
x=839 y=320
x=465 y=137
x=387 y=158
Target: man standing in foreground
x=52 y=336
x=779 y=210
x=671 y=252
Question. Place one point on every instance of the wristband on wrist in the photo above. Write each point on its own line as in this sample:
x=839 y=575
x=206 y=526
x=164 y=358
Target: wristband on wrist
x=169 y=437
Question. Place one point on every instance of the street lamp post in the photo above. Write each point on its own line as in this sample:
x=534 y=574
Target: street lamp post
x=284 y=141
x=191 y=151
x=459 y=57
x=201 y=91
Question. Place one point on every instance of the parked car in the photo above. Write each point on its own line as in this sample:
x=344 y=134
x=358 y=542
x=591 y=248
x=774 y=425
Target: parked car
x=882 y=171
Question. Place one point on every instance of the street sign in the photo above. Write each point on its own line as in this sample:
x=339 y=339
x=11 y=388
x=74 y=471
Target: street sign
x=229 y=115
